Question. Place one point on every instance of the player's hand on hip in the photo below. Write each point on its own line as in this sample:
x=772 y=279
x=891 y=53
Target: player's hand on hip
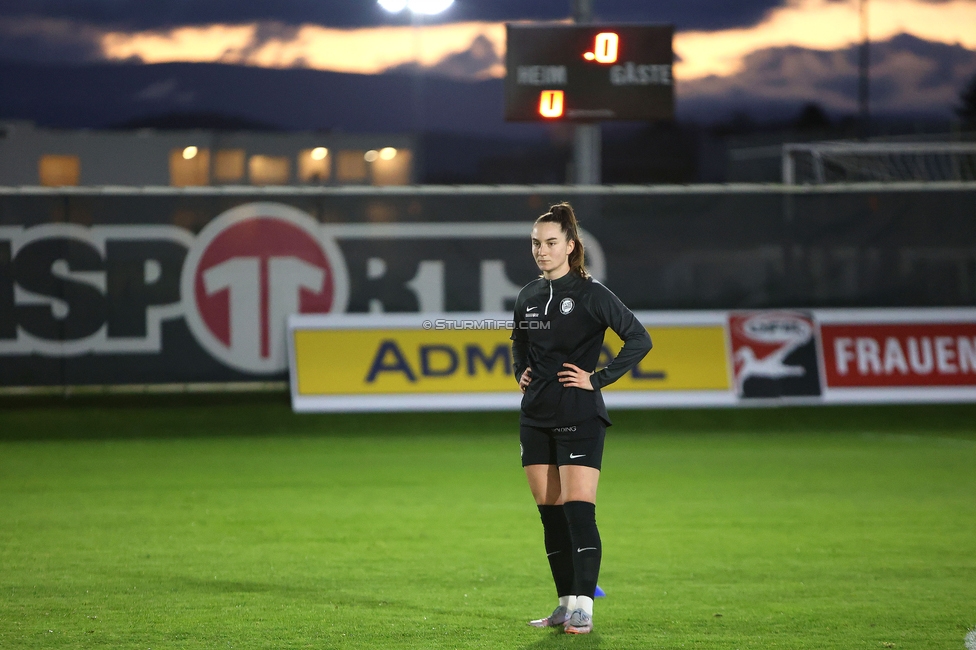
x=575 y=378
x=525 y=379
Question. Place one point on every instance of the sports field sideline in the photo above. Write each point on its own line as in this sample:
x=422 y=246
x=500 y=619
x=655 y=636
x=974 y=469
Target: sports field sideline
x=229 y=522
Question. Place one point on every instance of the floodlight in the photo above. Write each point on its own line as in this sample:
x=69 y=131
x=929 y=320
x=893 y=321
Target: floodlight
x=393 y=6
x=428 y=7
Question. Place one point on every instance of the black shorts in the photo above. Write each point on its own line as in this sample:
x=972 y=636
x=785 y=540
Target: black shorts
x=575 y=444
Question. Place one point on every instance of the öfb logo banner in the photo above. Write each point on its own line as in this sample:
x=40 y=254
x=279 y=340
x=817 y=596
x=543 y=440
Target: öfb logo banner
x=774 y=354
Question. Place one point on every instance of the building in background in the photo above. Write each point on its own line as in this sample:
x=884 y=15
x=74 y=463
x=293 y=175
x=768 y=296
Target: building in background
x=149 y=157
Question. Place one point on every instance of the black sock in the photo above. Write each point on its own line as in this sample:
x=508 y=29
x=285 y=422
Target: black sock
x=587 y=549
x=559 y=548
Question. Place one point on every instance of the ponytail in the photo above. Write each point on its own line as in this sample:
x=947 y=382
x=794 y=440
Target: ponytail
x=562 y=214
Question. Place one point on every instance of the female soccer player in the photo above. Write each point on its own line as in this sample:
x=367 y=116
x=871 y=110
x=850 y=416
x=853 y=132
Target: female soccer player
x=560 y=320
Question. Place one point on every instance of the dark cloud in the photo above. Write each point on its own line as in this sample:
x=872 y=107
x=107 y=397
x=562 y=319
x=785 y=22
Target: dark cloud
x=265 y=33
x=48 y=41
x=166 y=91
x=476 y=62
x=151 y=14
x=908 y=76
x=685 y=14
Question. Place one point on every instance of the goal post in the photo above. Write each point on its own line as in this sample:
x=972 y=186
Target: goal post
x=854 y=162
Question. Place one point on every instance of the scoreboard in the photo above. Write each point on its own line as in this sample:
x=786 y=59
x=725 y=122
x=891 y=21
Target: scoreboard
x=588 y=73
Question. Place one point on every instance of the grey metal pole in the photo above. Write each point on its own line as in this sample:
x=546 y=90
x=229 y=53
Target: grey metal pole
x=789 y=166
x=587 y=150
x=587 y=144
x=582 y=11
x=417 y=81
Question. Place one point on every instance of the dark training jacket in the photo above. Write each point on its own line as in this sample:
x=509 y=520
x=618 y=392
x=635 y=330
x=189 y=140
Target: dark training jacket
x=563 y=321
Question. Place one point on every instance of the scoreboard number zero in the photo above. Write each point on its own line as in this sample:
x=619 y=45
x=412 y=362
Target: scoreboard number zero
x=588 y=73
x=605 y=50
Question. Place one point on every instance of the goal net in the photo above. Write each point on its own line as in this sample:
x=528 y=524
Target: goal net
x=858 y=162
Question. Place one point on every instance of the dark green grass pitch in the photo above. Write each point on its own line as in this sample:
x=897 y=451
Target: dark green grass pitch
x=220 y=523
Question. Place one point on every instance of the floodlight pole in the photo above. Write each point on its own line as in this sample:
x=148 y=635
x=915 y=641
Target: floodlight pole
x=864 y=64
x=587 y=145
x=417 y=89
x=417 y=85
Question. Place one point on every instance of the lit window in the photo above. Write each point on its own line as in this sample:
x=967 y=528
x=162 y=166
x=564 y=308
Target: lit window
x=314 y=165
x=229 y=165
x=269 y=170
x=55 y=171
x=394 y=170
x=351 y=167
x=193 y=170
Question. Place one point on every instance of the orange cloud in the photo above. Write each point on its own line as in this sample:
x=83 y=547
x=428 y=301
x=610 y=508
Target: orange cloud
x=360 y=51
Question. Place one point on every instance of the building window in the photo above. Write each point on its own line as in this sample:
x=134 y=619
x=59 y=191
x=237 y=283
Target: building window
x=229 y=165
x=351 y=167
x=189 y=166
x=269 y=170
x=392 y=166
x=314 y=165
x=56 y=171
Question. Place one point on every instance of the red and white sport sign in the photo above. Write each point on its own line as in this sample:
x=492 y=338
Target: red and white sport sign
x=247 y=271
x=880 y=355
x=774 y=354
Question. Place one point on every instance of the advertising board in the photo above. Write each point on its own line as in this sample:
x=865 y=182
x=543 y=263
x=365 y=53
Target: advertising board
x=138 y=289
x=900 y=355
x=463 y=361
x=104 y=295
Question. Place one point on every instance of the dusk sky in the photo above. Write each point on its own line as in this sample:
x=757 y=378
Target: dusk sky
x=773 y=50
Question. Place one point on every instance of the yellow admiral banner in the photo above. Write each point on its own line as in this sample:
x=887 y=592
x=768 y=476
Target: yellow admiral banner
x=685 y=357
x=464 y=361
